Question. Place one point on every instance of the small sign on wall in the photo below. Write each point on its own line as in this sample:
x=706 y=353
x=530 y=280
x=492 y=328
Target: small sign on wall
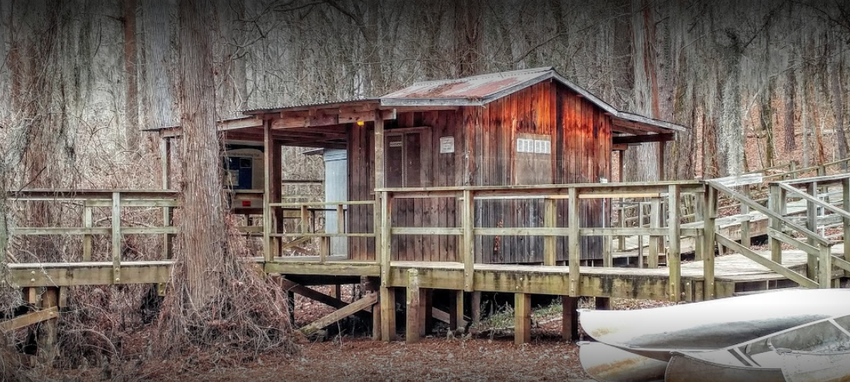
x=533 y=146
x=447 y=145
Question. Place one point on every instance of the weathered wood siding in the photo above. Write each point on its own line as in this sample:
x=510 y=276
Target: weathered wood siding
x=579 y=141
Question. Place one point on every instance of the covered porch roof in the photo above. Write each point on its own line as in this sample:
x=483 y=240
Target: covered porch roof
x=323 y=125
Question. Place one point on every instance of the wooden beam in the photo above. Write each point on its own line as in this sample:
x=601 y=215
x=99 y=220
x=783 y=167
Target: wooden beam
x=468 y=243
x=414 y=307
x=574 y=244
x=767 y=263
x=632 y=139
x=522 y=318
x=709 y=241
x=315 y=295
x=674 y=252
x=49 y=331
x=116 y=236
x=549 y=221
x=446 y=317
x=267 y=190
x=29 y=319
x=388 y=328
x=569 y=318
x=363 y=303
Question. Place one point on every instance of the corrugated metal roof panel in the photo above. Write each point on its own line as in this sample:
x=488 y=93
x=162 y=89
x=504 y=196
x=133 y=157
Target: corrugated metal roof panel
x=474 y=89
x=278 y=109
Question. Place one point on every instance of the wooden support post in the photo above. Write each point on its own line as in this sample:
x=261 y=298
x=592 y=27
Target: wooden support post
x=165 y=162
x=426 y=318
x=475 y=308
x=745 y=225
x=468 y=240
x=824 y=269
x=276 y=186
x=267 y=191
x=699 y=215
x=574 y=242
x=776 y=201
x=522 y=318
x=845 y=201
x=49 y=330
x=455 y=309
x=382 y=206
x=549 y=221
x=622 y=216
x=305 y=219
x=569 y=318
x=87 y=238
x=674 y=254
x=602 y=303
x=812 y=225
x=709 y=242
x=372 y=285
x=388 y=329
x=116 y=237
x=290 y=302
x=414 y=307
x=661 y=166
x=385 y=243
x=654 y=241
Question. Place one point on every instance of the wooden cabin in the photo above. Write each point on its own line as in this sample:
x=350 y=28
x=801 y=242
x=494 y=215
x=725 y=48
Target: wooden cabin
x=523 y=127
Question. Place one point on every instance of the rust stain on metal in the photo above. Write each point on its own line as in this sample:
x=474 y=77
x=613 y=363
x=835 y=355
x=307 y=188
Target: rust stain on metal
x=616 y=366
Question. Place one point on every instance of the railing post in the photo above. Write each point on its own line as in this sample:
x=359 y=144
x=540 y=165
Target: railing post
x=776 y=202
x=385 y=243
x=165 y=162
x=574 y=242
x=654 y=241
x=549 y=221
x=468 y=240
x=812 y=225
x=116 y=236
x=845 y=201
x=621 y=216
x=87 y=223
x=745 y=225
x=709 y=242
x=699 y=215
x=824 y=262
x=674 y=256
x=267 y=191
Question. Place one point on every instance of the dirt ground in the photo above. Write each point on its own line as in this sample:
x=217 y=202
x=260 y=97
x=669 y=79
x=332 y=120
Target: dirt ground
x=487 y=355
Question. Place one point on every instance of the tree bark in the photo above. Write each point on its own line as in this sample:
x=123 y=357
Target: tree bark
x=131 y=99
x=202 y=230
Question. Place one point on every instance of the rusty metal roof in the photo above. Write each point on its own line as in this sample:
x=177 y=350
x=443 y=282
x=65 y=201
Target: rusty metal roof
x=482 y=89
x=475 y=90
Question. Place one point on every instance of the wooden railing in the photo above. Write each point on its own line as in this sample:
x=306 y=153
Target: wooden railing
x=307 y=229
x=783 y=230
x=574 y=230
x=85 y=202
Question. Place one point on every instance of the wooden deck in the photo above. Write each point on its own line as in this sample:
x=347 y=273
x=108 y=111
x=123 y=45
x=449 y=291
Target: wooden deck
x=787 y=225
x=733 y=273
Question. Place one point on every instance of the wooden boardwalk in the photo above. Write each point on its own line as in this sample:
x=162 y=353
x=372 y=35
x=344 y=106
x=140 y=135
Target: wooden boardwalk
x=817 y=262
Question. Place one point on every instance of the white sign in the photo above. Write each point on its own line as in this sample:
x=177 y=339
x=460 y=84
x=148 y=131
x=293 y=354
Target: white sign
x=447 y=145
x=534 y=146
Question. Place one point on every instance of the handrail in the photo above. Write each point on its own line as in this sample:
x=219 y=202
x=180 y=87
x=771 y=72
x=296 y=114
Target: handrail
x=549 y=227
x=817 y=202
x=766 y=211
x=115 y=200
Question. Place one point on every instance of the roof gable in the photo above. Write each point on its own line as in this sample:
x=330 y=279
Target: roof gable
x=482 y=89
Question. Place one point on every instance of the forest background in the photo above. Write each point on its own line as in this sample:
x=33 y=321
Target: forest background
x=758 y=83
